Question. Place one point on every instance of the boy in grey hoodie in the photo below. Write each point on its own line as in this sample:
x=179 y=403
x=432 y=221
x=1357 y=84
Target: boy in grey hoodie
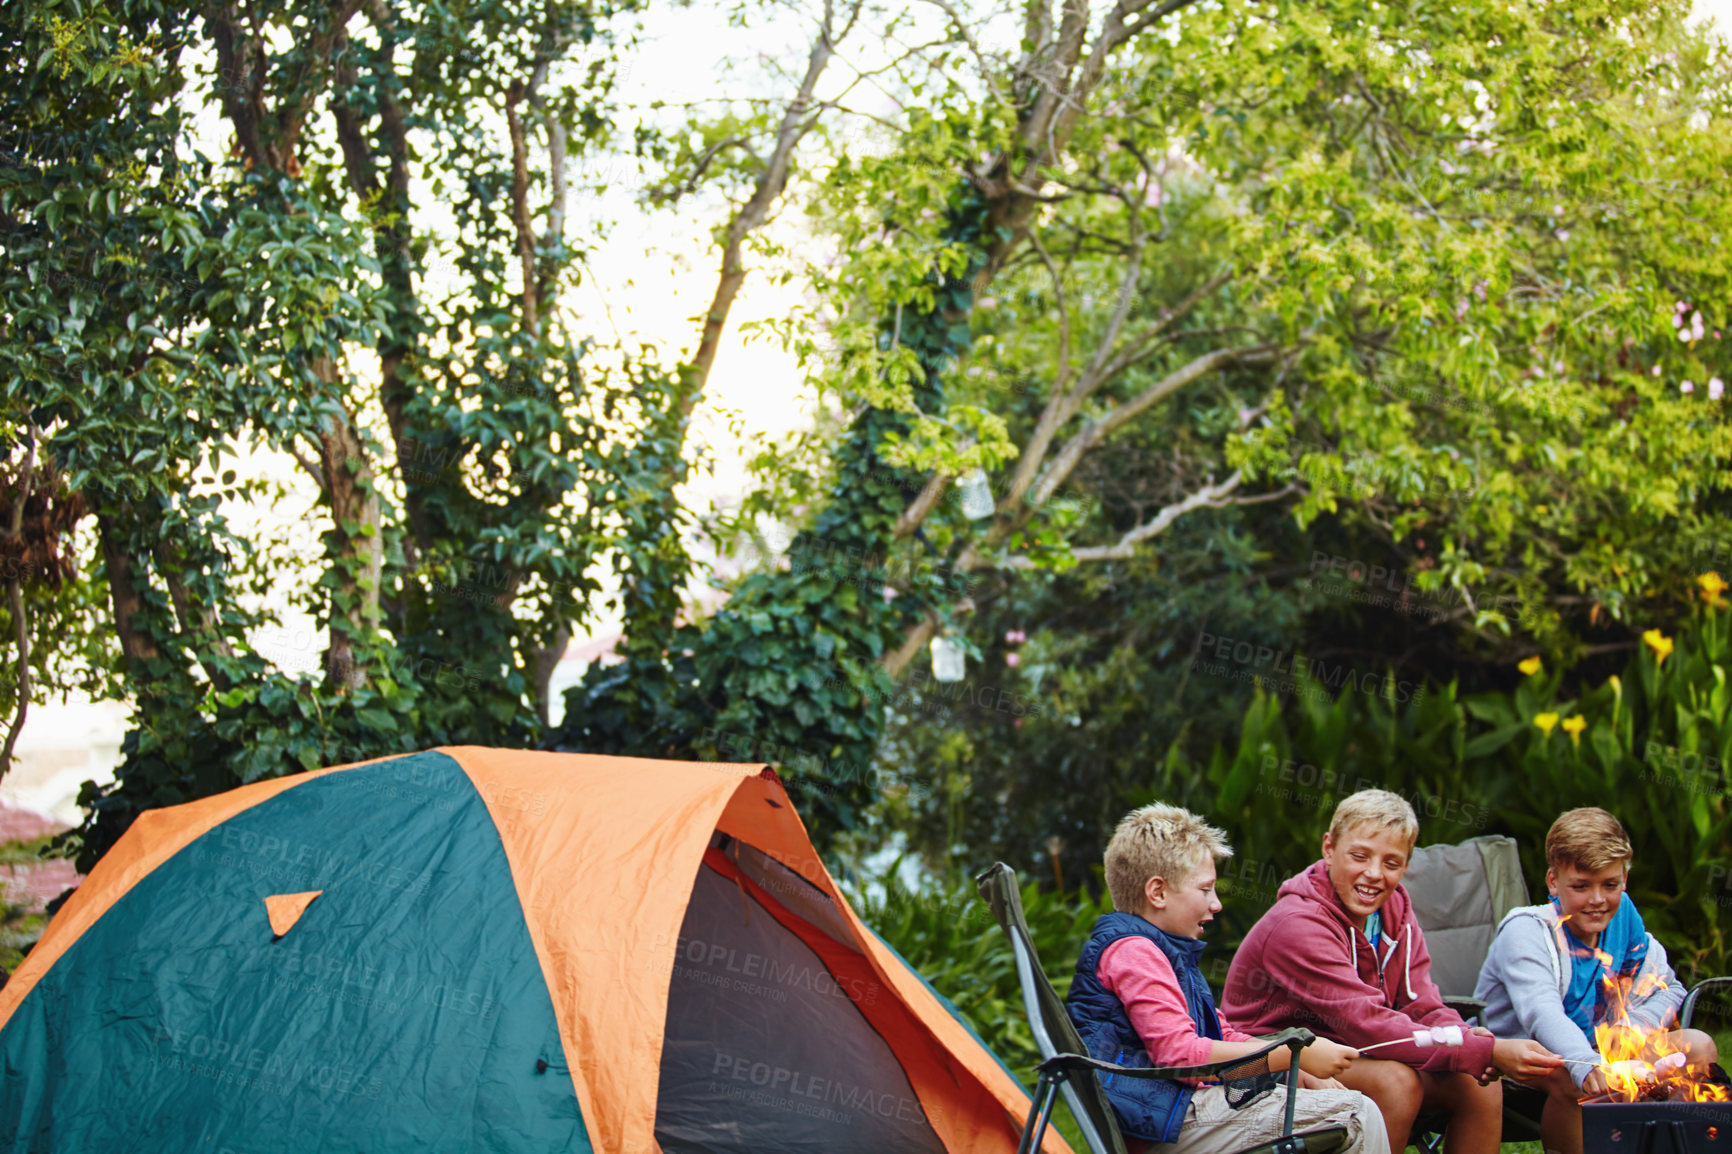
x=1558 y=971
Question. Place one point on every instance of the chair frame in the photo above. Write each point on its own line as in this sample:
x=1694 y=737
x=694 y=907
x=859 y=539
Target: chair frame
x=1059 y=1070
x=1688 y=1009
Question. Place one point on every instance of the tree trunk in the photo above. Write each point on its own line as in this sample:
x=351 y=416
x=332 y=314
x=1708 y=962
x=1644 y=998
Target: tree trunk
x=136 y=643
x=543 y=661
x=357 y=556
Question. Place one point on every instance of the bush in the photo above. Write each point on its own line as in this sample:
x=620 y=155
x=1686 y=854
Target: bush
x=949 y=935
x=1651 y=745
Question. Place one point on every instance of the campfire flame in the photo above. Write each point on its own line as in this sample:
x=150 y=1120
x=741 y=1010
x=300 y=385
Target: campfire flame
x=1632 y=1057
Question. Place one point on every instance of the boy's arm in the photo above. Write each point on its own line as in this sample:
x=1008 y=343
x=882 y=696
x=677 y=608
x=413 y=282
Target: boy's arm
x=1349 y=1011
x=1658 y=1006
x=1518 y=957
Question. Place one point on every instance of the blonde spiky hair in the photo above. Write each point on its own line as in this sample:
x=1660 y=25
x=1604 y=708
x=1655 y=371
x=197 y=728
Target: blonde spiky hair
x=1379 y=809
x=1158 y=841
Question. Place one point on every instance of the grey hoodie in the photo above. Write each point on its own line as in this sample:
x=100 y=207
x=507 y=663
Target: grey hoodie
x=1527 y=972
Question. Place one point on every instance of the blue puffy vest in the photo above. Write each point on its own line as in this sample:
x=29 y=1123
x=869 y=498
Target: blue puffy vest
x=1149 y=1108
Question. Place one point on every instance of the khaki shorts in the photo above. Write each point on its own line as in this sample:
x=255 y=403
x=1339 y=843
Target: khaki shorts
x=1213 y=1127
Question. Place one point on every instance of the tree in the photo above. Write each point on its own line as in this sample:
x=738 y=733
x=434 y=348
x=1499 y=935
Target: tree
x=164 y=309
x=1343 y=264
x=796 y=667
x=1355 y=263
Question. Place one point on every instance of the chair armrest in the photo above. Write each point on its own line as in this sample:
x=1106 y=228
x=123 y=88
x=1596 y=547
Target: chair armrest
x=1296 y=1038
x=1689 y=1007
x=1466 y=1007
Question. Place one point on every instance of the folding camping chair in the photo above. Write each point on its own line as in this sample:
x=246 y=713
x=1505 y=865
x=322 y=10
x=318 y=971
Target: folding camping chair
x=1460 y=893
x=1066 y=1065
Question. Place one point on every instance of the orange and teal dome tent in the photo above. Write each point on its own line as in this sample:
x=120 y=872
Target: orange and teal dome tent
x=483 y=950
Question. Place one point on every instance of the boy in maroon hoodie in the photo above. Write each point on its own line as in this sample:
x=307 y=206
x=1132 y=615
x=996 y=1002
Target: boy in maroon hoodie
x=1341 y=954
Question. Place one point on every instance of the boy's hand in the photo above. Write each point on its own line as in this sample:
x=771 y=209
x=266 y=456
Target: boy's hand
x=1523 y=1058
x=1595 y=1082
x=1325 y=1059
x=1307 y=1082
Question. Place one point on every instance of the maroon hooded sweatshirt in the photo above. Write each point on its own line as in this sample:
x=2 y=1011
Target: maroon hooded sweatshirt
x=1306 y=964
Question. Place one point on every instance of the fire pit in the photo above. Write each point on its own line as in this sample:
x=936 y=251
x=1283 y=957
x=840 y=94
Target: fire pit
x=1666 y=1126
x=1657 y=1104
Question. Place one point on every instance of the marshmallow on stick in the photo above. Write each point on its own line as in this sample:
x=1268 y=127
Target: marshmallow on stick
x=1425 y=1038
x=1437 y=1036
x=1633 y=1068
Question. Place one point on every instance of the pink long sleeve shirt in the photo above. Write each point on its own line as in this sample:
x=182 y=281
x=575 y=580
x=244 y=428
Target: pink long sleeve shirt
x=1135 y=971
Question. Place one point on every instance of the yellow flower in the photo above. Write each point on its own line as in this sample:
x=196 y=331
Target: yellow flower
x=1659 y=643
x=1529 y=665
x=1617 y=686
x=1712 y=586
x=1574 y=726
x=1546 y=721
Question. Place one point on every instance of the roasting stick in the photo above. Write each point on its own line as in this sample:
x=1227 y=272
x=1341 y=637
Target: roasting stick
x=1673 y=1061
x=1669 y=1062
x=1452 y=1036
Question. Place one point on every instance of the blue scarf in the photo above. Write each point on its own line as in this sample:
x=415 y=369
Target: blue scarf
x=1625 y=940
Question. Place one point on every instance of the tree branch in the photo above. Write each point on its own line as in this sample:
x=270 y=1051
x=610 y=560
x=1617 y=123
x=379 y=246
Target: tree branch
x=543 y=661
x=240 y=79
x=307 y=463
x=1208 y=497
x=520 y=207
x=200 y=622
x=292 y=117
x=896 y=661
x=922 y=506
x=771 y=182
x=1100 y=428
x=21 y=631
x=118 y=566
x=358 y=551
x=1145 y=341
x=15 y=595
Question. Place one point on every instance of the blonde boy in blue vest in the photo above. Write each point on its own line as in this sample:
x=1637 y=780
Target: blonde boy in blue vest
x=1139 y=999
